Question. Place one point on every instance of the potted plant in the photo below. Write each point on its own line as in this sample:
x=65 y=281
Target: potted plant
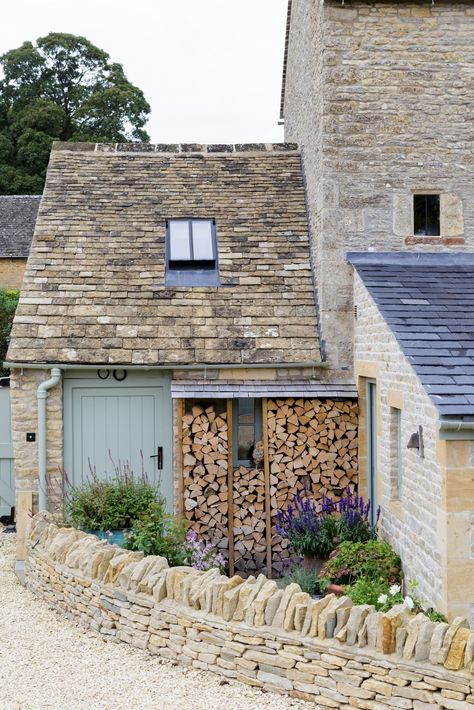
x=108 y=507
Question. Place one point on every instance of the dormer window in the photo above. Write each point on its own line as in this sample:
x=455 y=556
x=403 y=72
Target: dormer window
x=191 y=252
x=426 y=215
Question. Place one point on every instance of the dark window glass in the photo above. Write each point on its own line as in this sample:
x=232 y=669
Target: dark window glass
x=426 y=215
x=247 y=418
x=191 y=253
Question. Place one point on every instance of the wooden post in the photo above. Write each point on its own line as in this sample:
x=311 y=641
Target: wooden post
x=180 y=414
x=266 y=470
x=230 y=489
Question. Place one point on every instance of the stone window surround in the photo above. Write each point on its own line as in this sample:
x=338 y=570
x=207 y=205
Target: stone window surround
x=451 y=217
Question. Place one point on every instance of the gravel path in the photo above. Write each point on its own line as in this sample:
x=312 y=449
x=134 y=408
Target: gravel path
x=49 y=662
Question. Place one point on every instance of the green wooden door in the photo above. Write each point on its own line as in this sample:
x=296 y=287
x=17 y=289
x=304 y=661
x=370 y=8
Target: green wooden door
x=7 y=473
x=372 y=448
x=111 y=423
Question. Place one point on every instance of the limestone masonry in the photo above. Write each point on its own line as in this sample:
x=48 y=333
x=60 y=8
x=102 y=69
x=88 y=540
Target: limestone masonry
x=326 y=651
x=380 y=98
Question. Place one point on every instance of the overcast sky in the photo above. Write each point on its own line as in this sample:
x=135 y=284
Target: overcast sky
x=210 y=69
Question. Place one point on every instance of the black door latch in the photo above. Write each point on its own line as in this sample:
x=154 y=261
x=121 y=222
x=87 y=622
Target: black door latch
x=159 y=456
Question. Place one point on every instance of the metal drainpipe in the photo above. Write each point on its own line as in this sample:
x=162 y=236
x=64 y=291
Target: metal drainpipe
x=42 y=396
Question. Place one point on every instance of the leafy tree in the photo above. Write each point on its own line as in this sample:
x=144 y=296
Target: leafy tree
x=8 y=303
x=62 y=88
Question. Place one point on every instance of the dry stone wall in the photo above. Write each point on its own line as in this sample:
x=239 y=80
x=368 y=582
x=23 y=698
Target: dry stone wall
x=312 y=444
x=326 y=651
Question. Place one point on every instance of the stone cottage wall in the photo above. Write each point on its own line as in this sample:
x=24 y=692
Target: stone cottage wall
x=11 y=273
x=312 y=445
x=377 y=95
x=327 y=651
x=413 y=521
x=24 y=413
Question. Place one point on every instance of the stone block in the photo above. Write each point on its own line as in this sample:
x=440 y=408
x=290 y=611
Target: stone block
x=288 y=592
x=275 y=681
x=260 y=601
x=455 y=658
x=301 y=598
x=442 y=639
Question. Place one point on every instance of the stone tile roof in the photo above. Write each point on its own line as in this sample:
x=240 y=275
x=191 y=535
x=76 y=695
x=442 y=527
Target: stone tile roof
x=428 y=302
x=17 y=224
x=94 y=288
x=223 y=389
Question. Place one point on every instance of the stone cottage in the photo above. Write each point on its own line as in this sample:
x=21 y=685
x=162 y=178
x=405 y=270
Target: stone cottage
x=168 y=319
x=233 y=301
x=17 y=224
x=379 y=96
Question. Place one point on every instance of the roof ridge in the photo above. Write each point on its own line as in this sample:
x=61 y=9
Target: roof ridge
x=177 y=148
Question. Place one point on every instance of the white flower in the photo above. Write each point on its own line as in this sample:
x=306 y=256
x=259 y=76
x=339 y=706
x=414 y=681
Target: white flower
x=383 y=598
x=394 y=589
x=408 y=601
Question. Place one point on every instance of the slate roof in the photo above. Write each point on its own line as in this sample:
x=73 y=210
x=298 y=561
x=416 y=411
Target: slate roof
x=17 y=224
x=94 y=289
x=223 y=389
x=428 y=302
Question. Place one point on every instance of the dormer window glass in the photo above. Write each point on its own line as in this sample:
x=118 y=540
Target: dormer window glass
x=191 y=252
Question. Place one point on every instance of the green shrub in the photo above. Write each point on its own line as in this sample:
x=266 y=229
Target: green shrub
x=110 y=504
x=157 y=533
x=367 y=591
x=308 y=580
x=374 y=560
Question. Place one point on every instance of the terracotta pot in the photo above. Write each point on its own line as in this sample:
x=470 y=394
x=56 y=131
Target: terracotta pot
x=335 y=589
x=313 y=564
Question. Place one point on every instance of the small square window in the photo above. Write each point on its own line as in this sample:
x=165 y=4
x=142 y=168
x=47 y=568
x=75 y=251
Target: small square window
x=191 y=252
x=426 y=215
x=247 y=429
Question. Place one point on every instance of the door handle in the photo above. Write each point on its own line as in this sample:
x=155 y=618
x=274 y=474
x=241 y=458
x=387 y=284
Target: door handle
x=159 y=456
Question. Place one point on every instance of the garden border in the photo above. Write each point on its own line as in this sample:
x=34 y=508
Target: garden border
x=251 y=631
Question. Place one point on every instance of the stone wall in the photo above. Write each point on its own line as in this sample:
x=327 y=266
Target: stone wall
x=24 y=408
x=11 y=273
x=326 y=651
x=380 y=97
x=415 y=519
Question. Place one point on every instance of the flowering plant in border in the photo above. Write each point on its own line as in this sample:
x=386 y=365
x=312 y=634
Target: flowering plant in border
x=317 y=528
x=202 y=555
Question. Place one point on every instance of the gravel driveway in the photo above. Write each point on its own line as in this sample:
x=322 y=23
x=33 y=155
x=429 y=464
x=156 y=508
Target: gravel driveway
x=49 y=662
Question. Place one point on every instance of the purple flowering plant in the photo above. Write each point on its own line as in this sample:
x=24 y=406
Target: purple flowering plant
x=202 y=555
x=315 y=529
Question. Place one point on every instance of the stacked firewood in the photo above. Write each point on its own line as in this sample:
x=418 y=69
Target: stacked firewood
x=249 y=521
x=312 y=445
x=205 y=470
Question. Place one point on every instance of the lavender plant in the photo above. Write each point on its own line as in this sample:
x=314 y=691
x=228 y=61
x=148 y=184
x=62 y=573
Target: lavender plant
x=354 y=523
x=202 y=555
x=310 y=528
x=316 y=529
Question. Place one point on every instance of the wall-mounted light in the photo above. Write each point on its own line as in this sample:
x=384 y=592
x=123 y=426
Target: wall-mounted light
x=416 y=442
